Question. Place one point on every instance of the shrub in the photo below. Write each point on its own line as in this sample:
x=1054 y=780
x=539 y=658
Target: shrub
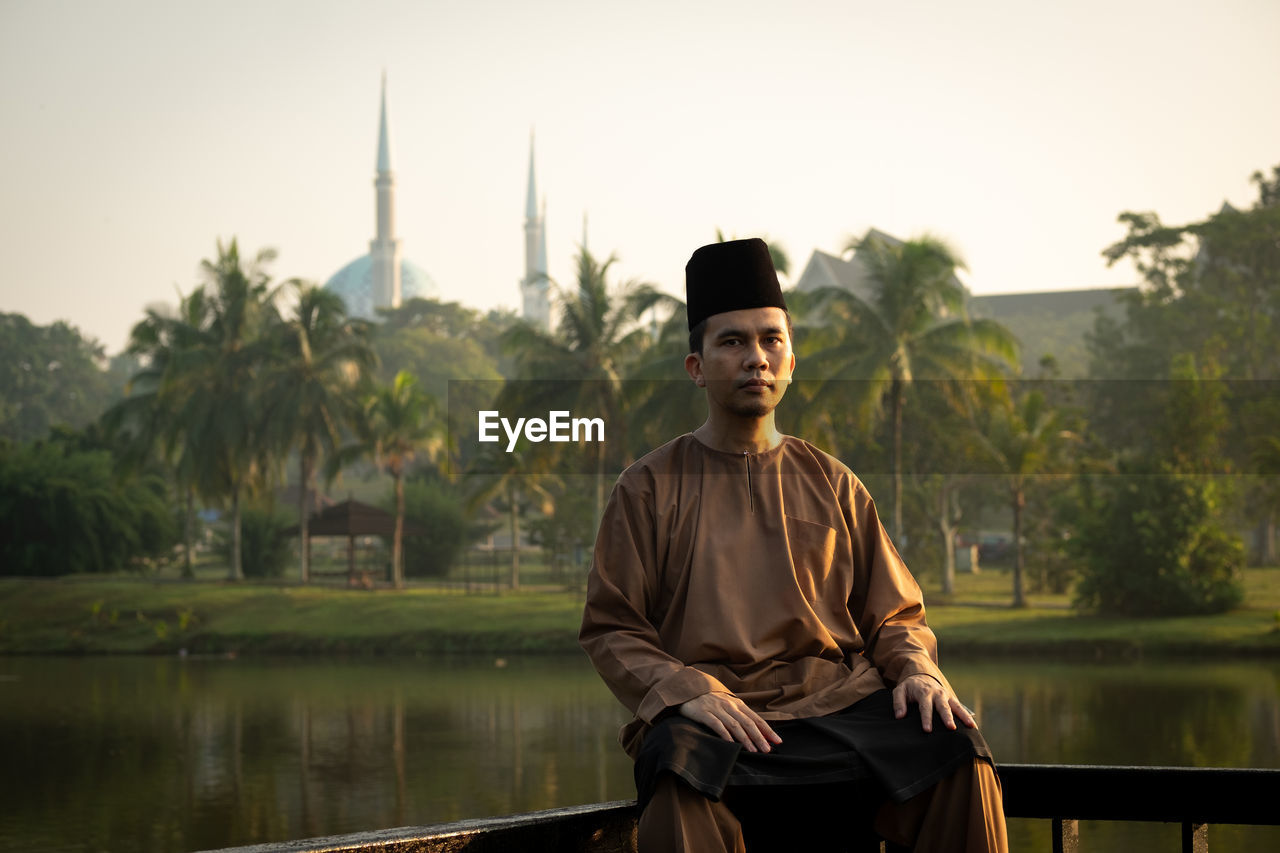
x=66 y=510
x=435 y=508
x=265 y=550
x=1151 y=543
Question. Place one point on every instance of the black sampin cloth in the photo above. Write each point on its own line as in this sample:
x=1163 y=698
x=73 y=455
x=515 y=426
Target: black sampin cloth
x=730 y=276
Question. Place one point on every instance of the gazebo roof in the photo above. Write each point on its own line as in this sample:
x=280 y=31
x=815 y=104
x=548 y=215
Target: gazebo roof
x=353 y=518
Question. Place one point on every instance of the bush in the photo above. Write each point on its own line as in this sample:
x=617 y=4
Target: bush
x=66 y=510
x=1151 y=543
x=434 y=507
x=265 y=550
x=568 y=533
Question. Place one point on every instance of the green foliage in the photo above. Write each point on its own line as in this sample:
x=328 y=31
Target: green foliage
x=399 y=423
x=49 y=375
x=200 y=397
x=910 y=325
x=424 y=334
x=566 y=534
x=264 y=548
x=65 y=509
x=435 y=507
x=1151 y=543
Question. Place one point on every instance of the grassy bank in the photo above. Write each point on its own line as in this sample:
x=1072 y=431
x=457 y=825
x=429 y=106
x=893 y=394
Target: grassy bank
x=131 y=616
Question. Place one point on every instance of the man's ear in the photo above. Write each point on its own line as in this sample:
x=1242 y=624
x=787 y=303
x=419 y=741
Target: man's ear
x=693 y=366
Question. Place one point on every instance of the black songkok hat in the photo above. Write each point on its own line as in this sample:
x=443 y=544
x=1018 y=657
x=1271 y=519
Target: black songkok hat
x=729 y=277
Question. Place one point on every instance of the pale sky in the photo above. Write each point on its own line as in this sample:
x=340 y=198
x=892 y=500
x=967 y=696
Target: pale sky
x=135 y=134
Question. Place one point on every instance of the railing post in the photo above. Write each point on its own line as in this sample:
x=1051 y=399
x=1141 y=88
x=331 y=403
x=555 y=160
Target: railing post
x=1195 y=838
x=1066 y=836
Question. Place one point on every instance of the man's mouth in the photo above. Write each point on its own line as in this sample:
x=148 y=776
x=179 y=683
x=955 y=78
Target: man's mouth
x=756 y=383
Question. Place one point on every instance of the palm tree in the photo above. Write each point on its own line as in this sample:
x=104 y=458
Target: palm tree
x=147 y=418
x=201 y=382
x=518 y=478
x=910 y=325
x=322 y=357
x=221 y=373
x=1025 y=437
x=599 y=333
x=399 y=422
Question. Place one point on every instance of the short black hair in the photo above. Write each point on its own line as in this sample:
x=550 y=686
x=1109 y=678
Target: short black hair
x=698 y=332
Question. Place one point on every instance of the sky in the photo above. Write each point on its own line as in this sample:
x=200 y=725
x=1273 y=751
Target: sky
x=137 y=134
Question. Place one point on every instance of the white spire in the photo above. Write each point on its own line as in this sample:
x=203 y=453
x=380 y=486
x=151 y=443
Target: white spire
x=384 y=249
x=534 y=286
x=384 y=147
x=531 y=198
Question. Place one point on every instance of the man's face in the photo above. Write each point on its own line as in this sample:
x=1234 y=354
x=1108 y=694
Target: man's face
x=746 y=361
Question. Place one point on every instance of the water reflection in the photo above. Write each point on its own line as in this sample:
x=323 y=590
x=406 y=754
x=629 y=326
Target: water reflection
x=152 y=755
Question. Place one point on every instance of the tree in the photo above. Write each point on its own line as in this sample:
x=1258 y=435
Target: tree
x=1024 y=437
x=49 y=375
x=212 y=387
x=518 y=477
x=1210 y=287
x=911 y=325
x=320 y=359
x=435 y=508
x=66 y=508
x=398 y=424
x=1150 y=543
x=148 y=418
x=599 y=333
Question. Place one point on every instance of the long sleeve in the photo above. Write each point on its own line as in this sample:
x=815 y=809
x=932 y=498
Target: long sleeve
x=887 y=602
x=617 y=629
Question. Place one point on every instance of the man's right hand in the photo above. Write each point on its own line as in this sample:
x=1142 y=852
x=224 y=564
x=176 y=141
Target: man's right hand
x=729 y=717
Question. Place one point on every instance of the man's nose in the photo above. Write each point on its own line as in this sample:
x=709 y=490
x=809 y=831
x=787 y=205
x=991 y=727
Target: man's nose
x=755 y=356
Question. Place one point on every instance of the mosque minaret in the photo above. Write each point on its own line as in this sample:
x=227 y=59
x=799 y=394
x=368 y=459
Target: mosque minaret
x=384 y=278
x=385 y=248
x=535 y=286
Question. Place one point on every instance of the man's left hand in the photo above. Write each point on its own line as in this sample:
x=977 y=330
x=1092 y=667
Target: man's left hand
x=930 y=696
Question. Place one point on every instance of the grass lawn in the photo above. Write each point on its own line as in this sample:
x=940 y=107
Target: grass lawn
x=130 y=615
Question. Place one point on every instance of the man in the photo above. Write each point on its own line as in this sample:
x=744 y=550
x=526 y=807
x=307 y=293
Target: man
x=747 y=606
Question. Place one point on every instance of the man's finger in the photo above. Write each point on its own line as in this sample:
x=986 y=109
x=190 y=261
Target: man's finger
x=713 y=723
x=766 y=731
x=963 y=714
x=753 y=728
x=899 y=702
x=944 y=712
x=926 y=714
x=740 y=733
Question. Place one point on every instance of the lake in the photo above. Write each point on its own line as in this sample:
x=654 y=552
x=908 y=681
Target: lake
x=165 y=754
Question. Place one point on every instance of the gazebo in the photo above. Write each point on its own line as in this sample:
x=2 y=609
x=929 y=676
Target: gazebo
x=351 y=518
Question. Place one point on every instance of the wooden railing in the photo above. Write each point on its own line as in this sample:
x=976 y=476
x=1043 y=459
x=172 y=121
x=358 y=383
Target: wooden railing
x=1062 y=794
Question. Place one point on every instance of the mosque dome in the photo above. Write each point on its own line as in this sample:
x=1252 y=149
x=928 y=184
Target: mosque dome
x=354 y=283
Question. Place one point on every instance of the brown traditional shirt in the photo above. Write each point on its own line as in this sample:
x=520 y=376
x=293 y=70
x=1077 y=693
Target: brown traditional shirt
x=766 y=575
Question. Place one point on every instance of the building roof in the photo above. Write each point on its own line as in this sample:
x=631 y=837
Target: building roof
x=826 y=270
x=354 y=283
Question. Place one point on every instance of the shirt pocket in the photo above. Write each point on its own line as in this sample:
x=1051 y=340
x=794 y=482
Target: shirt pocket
x=813 y=549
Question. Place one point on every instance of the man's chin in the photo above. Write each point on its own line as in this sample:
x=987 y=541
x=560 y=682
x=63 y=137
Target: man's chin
x=754 y=408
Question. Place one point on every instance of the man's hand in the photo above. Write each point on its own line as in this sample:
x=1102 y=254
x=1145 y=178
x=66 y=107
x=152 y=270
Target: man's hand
x=729 y=717
x=930 y=696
